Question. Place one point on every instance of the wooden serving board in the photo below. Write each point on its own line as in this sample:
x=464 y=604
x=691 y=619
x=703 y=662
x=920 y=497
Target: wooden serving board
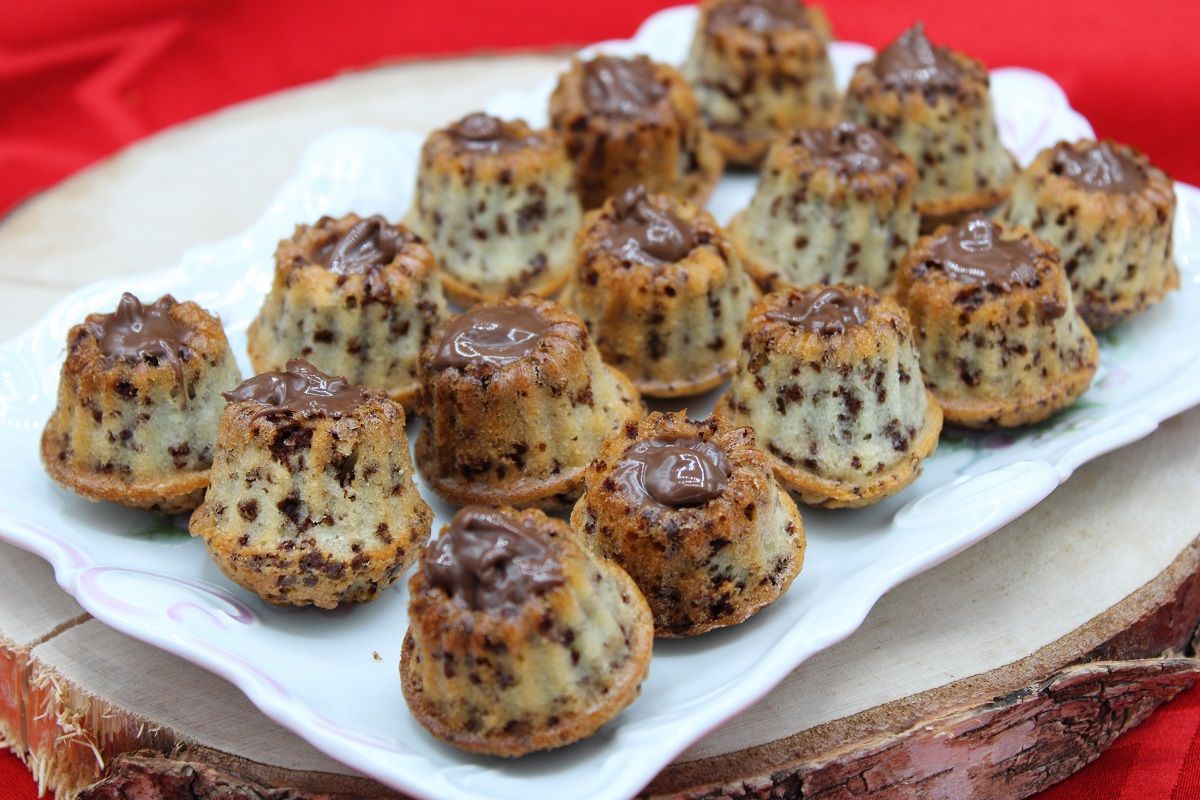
x=993 y=675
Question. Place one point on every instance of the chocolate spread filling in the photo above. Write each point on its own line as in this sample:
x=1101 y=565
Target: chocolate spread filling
x=136 y=332
x=370 y=245
x=847 y=147
x=758 y=16
x=621 y=87
x=642 y=233
x=492 y=335
x=913 y=62
x=672 y=472
x=1099 y=168
x=488 y=560
x=483 y=133
x=823 y=312
x=300 y=390
x=975 y=253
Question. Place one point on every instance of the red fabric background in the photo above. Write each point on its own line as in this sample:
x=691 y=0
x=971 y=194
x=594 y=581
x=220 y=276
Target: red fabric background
x=81 y=78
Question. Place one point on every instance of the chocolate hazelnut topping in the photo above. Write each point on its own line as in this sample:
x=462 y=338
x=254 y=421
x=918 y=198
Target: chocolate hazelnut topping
x=135 y=332
x=643 y=234
x=823 y=312
x=847 y=148
x=1099 y=168
x=301 y=390
x=974 y=253
x=370 y=245
x=913 y=62
x=491 y=335
x=488 y=560
x=759 y=16
x=672 y=472
x=620 y=87
x=483 y=133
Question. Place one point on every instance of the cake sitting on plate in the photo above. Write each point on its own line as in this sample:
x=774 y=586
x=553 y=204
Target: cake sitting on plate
x=139 y=398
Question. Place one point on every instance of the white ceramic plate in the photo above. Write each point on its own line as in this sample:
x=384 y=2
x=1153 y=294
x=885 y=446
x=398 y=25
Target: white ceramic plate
x=318 y=674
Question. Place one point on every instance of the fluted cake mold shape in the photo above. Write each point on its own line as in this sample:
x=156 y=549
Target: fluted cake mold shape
x=700 y=565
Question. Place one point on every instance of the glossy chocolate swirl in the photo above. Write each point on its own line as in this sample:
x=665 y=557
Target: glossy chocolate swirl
x=644 y=234
x=490 y=335
x=370 y=245
x=621 y=87
x=913 y=62
x=673 y=473
x=846 y=148
x=1099 y=167
x=483 y=133
x=975 y=253
x=490 y=560
x=301 y=390
x=758 y=16
x=824 y=311
x=136 y=332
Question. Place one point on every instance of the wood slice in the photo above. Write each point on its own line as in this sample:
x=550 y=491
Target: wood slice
x=994 y=675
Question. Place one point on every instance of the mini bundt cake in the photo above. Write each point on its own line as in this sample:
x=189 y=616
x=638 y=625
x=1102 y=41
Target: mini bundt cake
x=760 y=68
x=517 y=402
x=1110 y=213
x=691 y=511
x=662 y=292
x=312 y=499
x=139 y=399
x=936 y=105
x=829 y=378
x=356 y=297
x=999 y=338
x=832 y=205
x=519 y=639
x=496 y=202
x=631 y=120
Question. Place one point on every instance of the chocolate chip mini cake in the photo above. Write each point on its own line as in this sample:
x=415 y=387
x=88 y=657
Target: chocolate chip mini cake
x=691 y=511
x=829 y=379
x=936 y=105
x=520 y=640
x=356 y=297
x=496 y=201
x=138 y=405
x=312 y=499
x=1110 y=213
x=517 y=402
x=759 y=69
x=662 y=292
x=1000 y=342
x=832 y=205
x=631 y=120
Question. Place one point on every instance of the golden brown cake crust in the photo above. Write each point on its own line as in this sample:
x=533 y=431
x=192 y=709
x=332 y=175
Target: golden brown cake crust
x=788 y=57
x=90 y=380
x=887 y=326
x=399 y=288
x=464 y=631
x=1116 y=247
x=943 y=309
x=670 y=151
x=523 y=169
x=676 y=554
x=901 y=113
x=285 y=482
x=814 y=490
x=492 y=435
x=672 y=328
x=884 y=193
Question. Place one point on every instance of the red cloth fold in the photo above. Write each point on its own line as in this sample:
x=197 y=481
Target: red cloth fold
x=81 y=78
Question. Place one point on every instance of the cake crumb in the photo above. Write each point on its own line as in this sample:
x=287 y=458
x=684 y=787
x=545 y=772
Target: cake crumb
x=375 y=655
